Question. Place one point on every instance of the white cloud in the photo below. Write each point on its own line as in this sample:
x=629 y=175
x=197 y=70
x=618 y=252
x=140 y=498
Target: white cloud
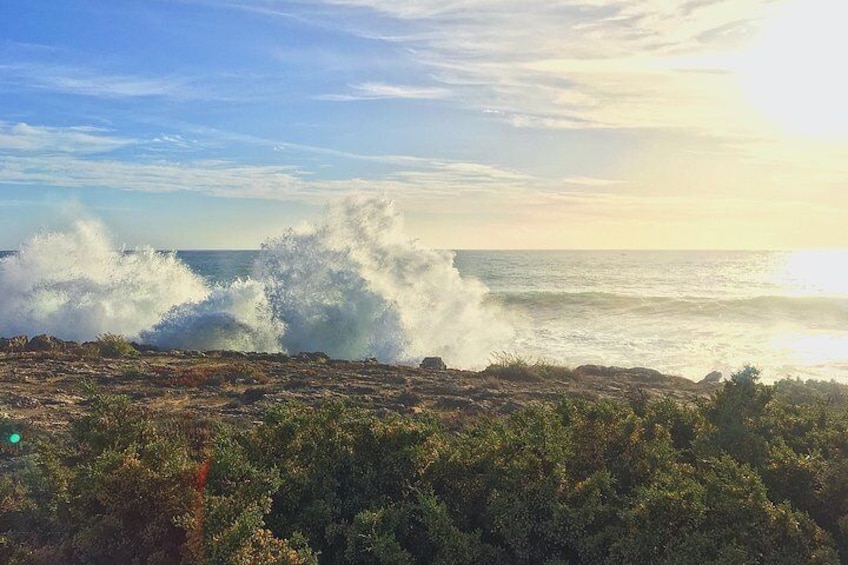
x=427 y=180
x=22 y=137
x=380 y=90
x=92 y=82
x=216 y=178
x=569 y=211
x=591 y=181
x=575 y=64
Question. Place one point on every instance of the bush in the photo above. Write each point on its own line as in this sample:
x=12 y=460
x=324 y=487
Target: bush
x=580 y=482
x=718 y=512
x=114 y=346
x=336 y=462
x=513 y=367
x=227 y=525
x=123 y=488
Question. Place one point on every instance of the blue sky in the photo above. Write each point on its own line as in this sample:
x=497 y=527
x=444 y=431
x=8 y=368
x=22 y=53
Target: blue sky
x=491 y=123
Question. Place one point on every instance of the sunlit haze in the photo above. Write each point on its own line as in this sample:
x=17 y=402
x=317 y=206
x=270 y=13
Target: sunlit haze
x=791 y=73
x=492 y=124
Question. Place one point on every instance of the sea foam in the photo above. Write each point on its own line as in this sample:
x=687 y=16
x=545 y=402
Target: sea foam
x=235 y=317
x=352 y=285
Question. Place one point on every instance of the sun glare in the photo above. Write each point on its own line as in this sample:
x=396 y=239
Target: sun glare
x=794 y=73
x=810 y=348
x=816 y=272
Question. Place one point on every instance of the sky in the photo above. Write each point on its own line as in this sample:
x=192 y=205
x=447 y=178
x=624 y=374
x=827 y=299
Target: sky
x=539 y=124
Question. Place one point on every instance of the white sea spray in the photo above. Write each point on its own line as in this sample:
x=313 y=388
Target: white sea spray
x=235 y=317
x=75 y=285
x=354 y=285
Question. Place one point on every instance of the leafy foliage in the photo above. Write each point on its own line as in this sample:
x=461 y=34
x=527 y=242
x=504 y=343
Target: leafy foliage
x=123 y=489
x=747 y=477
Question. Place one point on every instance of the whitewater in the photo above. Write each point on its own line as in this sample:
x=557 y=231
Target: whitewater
x=355 y=285
x=352 y=285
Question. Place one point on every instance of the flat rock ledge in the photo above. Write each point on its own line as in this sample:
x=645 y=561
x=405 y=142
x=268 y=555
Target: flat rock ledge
x=46 y=387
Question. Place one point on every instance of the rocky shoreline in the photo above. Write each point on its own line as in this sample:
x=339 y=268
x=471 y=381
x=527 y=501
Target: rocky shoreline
x=44 y=383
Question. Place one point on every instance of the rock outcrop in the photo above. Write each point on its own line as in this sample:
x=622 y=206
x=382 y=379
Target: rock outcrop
x=15 y=344
x=433 y=363
x=712 y=378
x=45 y=342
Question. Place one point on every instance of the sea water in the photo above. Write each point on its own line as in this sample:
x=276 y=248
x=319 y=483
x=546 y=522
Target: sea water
x=354 y=285
x=682 y=312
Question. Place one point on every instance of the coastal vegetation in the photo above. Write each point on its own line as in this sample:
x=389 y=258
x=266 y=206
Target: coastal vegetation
x=514 y=367
x=752 y=473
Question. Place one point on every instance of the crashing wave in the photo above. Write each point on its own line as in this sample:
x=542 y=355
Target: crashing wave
x=352 y=285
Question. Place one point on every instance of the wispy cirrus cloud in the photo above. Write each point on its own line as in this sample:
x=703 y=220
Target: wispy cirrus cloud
x=23 y=137
x=216 y=178
x=436 y=183
x=381 y=90
x=92 y=82
x=577 y=64
x=572 y=64
x=591 y=181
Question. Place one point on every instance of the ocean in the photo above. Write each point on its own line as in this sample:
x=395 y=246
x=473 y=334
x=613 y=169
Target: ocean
x=355 y=286
x=681 y=312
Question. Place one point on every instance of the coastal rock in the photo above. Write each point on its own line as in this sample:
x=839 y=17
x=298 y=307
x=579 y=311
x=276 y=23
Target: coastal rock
x=597 y=370
x=22 y=401
x=603 y=371
x=15 y=344
x=433 y=363
x=45 y=342
x=227 y=354
x=144 y=347
x=644 y=372
x=313 y=357
x=712 y=378
x=252 y=395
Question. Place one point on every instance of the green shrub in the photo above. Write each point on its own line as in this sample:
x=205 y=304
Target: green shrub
x=114 y=346
x=744 y=477
x=121 y=487
x=336 y=462
x=718 y=512
x=227 y=525
x=513 y=367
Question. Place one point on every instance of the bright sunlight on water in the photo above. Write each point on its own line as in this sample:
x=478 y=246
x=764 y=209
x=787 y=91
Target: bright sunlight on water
x=815 y=272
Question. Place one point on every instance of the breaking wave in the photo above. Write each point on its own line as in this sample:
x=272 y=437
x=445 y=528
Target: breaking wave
x=353 y=285
x=235 y=317
x=356 y=285
x=817 y=311
x=74 y=285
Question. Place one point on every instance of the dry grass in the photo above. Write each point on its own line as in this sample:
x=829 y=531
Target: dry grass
x=215 y=374
x=511 y=367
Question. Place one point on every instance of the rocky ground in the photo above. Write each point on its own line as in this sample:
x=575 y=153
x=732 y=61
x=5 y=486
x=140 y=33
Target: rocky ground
x=46 y=388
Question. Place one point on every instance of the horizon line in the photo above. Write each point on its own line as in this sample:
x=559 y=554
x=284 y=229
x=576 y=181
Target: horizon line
x=526 y=250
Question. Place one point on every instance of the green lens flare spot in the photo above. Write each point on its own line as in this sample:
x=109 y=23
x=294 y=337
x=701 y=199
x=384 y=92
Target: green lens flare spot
x=14 y=438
